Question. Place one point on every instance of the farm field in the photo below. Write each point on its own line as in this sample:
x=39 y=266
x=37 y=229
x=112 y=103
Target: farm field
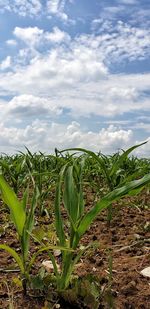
x=87 y=214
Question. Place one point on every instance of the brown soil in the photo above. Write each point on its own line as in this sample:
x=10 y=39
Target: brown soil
x=127 y=240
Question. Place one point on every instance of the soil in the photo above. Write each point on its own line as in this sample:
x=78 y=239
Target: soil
x=126 y=241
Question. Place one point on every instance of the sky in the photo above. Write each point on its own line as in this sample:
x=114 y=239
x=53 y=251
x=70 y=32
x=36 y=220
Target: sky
x=74 y=73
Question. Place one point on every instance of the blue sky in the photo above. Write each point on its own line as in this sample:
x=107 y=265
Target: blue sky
x=74 y=73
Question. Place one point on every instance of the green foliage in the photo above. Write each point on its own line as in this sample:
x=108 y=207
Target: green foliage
x=83 y=292
x=23 y=218
x=69 y=191
x=14 y=170
x=15 y=255
x=17 y=211
x=114 y=168
x=67 y=175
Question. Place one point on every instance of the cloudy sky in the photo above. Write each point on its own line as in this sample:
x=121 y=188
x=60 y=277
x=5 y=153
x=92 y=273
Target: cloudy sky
x=74 y=73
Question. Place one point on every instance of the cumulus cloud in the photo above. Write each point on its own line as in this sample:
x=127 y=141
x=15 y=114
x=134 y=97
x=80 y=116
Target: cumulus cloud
x=53 y=72
x=73 y=85
x=30 y=35
x=57 y=36
x=34 y=37
x=94 y=52
x=51 y=135
x=45 y=136
x=72 y=75
x=26 y=107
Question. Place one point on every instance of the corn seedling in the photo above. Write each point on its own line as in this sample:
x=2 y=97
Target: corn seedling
x=42 y=171
x=114 y=170
x=69 y=191
x=23 y=219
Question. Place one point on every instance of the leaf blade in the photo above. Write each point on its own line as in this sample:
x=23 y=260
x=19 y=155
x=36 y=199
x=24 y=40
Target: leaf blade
x=16 y=209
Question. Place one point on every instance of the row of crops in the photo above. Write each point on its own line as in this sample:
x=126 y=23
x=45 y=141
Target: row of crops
x=27 y=182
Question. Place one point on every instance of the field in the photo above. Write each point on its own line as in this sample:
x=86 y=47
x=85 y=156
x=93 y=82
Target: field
x=74 y=230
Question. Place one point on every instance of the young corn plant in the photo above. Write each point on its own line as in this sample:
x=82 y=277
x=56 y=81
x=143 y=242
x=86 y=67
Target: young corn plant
x=42 y=175
x=114 y=169
x=69 y=192
x=23 y=219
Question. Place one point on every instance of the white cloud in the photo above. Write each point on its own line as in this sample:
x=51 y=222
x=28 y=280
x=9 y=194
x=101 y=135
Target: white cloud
x=72 y=75
x=51 y=135
x=34 y=36
x=30 y=35
x=123 y=42
x=82 y=86
x=45 y=136
x=120 y=42
x=21 y=7
x=56 y=7
x=53 y=72
x=142 y=125
x=128 y=1
x=6 y=63
x=79 y=81
x=57 y=36
x=11 y=42
x=35 y=8
x=53 y=6
x=28 y=106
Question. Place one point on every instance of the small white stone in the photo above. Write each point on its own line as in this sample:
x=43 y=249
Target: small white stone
x=146 y=272
x=48 y=265
x=57 y=252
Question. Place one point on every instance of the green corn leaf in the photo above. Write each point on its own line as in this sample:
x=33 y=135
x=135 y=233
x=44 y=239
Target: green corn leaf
x=10 y=199
x=135 y=192
x=25 y=198
x=28 y=226
x=58 y=218
x=79 y=186
x=107 y=200
x=123 y=157
x=96 y=157
x=5 y=165
x=15 y=255
x=70 y=195
x=103 y=159
x=29 y=152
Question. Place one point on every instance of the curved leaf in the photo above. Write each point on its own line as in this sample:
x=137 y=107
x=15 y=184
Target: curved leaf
x=15 y=255
x=107 y=200
x=16 y=209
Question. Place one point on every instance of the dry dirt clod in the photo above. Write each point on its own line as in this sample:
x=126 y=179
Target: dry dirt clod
x=129 y=289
